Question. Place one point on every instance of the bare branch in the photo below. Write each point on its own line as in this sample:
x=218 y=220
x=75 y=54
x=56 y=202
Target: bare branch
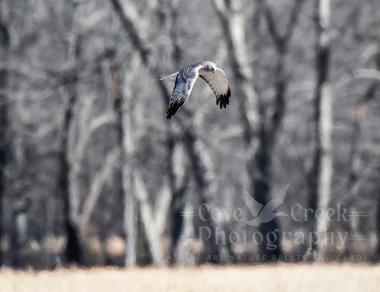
x=100 y=179
x=367 y=74
x=232 y=21
x=281 y=40
x=130 y=21
x=150 y=224
x=296 y=11
x=272 y=27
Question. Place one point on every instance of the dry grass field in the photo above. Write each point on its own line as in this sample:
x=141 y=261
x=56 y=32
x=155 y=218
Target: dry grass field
x=287 y=278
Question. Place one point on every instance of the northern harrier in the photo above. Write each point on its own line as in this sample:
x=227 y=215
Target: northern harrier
x=185 y=79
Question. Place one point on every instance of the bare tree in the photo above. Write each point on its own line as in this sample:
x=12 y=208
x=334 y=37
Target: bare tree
x=73 y=252
x=75 y=135
x=322 y=170
x=195 y=152
x=4 y=120
x=153 y=218
x=87 y=158
x=74 y=248
x=355 y=162
x=370 y=96
x=178 y=184
x=260 y=132
x=123 y=111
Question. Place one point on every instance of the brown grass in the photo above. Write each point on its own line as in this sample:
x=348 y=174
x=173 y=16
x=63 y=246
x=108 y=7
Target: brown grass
x=289 y=278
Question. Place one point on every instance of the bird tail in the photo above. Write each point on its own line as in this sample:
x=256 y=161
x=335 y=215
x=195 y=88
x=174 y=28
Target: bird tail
x=170 y=76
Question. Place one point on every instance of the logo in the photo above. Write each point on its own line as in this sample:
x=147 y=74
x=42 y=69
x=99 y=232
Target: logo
x=265 y=213
x=252 y=213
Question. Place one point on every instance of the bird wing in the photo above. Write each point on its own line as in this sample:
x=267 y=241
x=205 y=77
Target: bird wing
x=277 y=199
x=253 y=206
x=219 y=84
x=182 y=89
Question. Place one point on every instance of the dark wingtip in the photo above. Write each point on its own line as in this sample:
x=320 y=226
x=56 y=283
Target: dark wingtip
x=228 y=92
x=224 y=100
x=169 y=114
x=172 y=110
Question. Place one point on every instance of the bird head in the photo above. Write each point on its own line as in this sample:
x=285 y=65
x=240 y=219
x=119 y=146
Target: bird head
x=209 y=66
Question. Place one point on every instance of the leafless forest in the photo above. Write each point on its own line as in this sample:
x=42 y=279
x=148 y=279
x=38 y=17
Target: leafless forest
x=93 y=174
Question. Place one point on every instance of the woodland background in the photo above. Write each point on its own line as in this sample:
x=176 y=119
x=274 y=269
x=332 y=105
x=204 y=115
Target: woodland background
x=91 y=172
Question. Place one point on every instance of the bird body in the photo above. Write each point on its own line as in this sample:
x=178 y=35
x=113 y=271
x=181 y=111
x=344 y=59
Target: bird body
x=185 y=80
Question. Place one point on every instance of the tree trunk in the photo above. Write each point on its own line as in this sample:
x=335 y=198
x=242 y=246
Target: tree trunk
x=73 y=253
x=377 y=255
x=217 y=251
x=377 y=60
x=257 y=137
x=123 y=125
x=178 y=185
x=261 y=184
x=322 y=171
x=4 y=122
x=130 y=22
x=232 y=19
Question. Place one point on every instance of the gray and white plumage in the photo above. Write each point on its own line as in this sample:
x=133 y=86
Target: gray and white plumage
x=185 y=80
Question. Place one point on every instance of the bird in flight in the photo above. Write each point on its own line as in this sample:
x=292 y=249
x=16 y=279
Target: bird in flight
x=185 y=80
